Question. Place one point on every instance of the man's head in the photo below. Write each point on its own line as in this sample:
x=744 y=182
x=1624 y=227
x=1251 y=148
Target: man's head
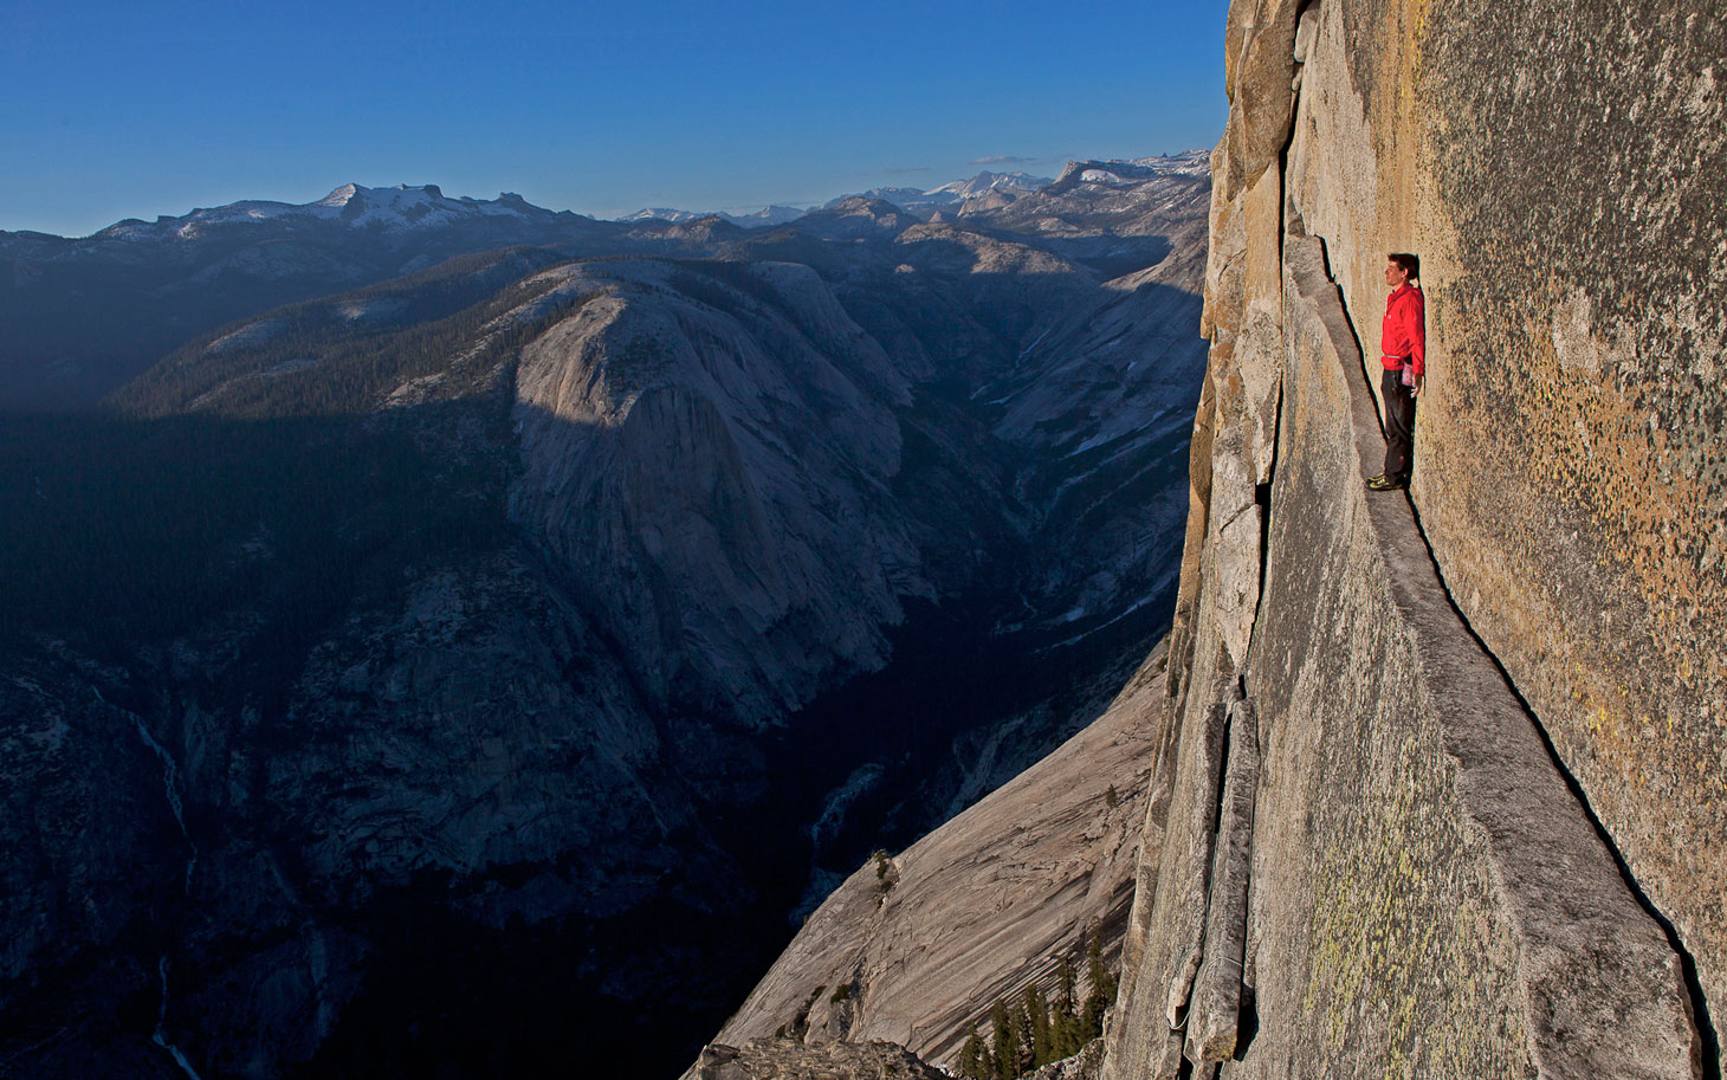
x=1400 y=267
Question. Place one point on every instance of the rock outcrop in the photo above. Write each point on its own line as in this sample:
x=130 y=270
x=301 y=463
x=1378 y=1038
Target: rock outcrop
x=1085 y=1065
x=785 y=1059
x=915 y=948
x=1439 y=786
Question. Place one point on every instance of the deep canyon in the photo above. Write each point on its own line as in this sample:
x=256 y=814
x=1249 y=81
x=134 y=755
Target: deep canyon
x=489 y=663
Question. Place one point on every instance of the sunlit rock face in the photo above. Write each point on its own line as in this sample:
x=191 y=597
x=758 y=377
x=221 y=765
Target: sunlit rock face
x=1439 y=790
x=680 y=458
x=915 y=947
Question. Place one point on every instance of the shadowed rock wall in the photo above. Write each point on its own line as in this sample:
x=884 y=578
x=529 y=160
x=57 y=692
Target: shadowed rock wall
x=1440 y=789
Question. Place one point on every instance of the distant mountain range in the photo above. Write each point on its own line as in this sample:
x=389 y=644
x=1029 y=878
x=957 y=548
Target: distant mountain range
x=985 y=182
x=404 y=206
x=767 y=215
x=955 y=192
x=1004 y=186
x=84 y=315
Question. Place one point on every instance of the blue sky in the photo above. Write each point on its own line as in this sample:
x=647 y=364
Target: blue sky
x=113 y=110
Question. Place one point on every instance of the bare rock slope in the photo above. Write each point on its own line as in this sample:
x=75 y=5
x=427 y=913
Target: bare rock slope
x=915 y=948
x=1438 y=788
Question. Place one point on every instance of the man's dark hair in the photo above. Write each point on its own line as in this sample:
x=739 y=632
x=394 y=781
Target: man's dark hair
x=1404 y=259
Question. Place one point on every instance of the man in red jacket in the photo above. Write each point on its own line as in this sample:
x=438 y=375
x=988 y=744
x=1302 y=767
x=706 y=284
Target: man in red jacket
x=1403 y=355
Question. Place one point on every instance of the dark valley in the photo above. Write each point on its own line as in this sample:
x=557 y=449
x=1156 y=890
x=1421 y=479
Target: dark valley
x=452 y=635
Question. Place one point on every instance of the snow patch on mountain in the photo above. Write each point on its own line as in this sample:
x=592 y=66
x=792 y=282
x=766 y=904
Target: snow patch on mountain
x=397 y=208
x=748 y=219
x=1119 y=172
x=985 y=182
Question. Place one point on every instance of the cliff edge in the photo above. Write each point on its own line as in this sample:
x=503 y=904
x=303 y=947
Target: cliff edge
x=1439 y=788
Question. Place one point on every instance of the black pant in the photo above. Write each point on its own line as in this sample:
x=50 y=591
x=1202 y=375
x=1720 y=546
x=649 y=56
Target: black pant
x=1399 y=423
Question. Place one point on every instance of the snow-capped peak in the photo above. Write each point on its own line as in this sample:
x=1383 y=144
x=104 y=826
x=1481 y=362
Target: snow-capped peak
x=747 y=219
x=340 y=196
x=400 y=198
x=985 y=182
x=1128 y=172
x=401 y=207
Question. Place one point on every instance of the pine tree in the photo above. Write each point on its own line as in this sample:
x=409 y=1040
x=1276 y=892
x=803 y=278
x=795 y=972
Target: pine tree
x=1026 y=1061
x=1091 y=1020
x=1042 y=1050
x=974 y=1063
x=1066 y=1019
x=1102 y=981
x=1005 y=1042
x=1101 y=993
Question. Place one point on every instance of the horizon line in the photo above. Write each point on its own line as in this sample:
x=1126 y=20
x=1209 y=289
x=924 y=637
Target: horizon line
x=608 y=214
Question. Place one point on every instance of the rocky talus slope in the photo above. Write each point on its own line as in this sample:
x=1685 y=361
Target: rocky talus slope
x=1439 y=787
x=913 y=949
x=782 y=1059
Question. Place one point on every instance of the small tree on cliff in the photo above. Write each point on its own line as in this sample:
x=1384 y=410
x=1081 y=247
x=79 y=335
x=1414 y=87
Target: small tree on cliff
x=1037 y=1008
x=1022 y=1033
x=1006 y=1042
x=974 y=1060
x=1101 y=994
x=1064 y=1021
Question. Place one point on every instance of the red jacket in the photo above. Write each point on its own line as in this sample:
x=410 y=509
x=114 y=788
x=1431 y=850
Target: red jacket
x=1404 y=334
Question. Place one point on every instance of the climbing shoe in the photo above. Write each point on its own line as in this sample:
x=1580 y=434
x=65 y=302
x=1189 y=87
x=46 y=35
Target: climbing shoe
x=1385 y=483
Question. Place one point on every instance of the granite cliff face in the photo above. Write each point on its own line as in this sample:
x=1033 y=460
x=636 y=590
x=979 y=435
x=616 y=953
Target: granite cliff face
x=680 y=457
x=1438 y=791
x=914 y=948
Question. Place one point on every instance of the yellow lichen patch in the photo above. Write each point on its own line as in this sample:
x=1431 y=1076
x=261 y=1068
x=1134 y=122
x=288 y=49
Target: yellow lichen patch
x=1401 y=932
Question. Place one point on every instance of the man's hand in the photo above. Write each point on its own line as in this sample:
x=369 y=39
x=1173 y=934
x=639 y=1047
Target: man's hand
x=1415 y=387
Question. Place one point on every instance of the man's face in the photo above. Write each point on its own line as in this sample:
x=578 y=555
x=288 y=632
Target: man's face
x=1395 y=276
